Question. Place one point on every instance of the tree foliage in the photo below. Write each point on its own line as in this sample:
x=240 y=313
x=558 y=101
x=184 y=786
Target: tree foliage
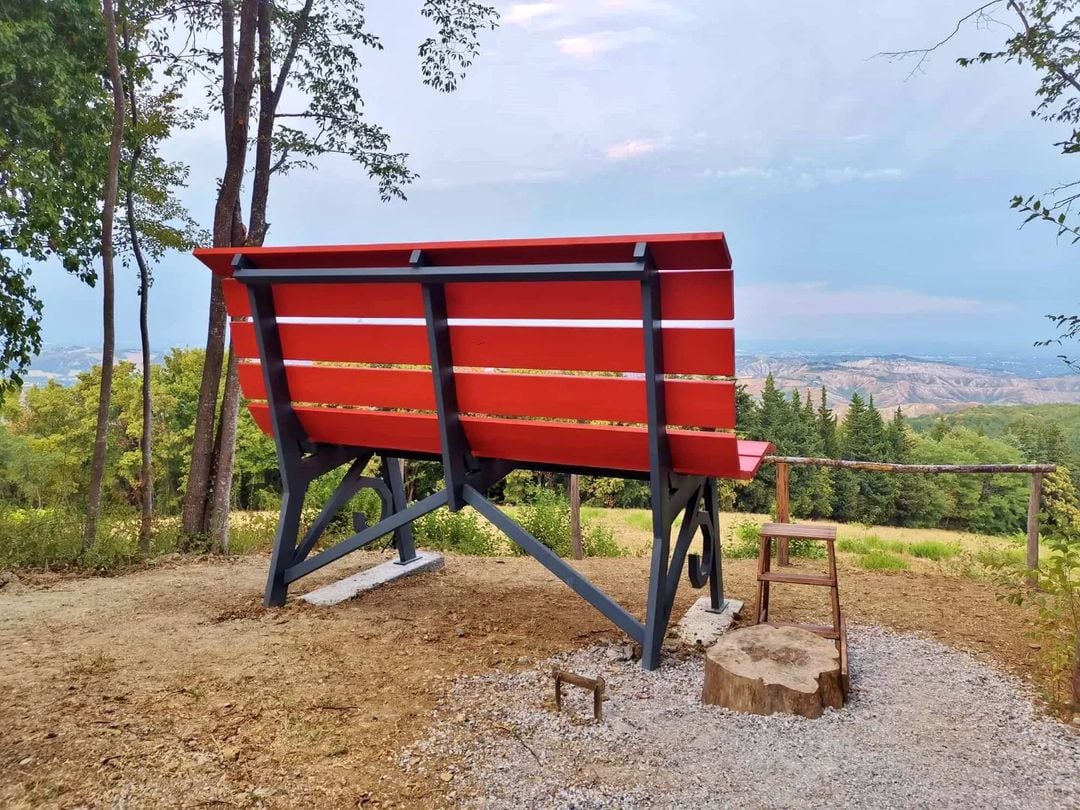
x=54 y=120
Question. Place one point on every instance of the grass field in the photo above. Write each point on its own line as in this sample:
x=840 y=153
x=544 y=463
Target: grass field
x=870 y=547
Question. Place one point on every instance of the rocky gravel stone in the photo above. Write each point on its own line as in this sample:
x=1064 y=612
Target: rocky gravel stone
x=925 y=726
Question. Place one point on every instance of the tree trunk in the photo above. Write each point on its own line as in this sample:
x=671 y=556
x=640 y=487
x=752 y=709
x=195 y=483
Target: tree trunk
x=146 y=442
x=223 y=472
x=108 y=293
x=575 y=518
x=236 y=115
x=225 y=450
x=765 y=670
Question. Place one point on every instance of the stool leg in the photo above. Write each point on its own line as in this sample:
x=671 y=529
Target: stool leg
x=764 y=565
x=835 y=589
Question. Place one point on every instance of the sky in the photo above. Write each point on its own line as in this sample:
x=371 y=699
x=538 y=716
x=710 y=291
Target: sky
x=866 y=206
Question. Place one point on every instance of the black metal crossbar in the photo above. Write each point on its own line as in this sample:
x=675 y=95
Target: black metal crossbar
x=467 y=478
x=605 y=271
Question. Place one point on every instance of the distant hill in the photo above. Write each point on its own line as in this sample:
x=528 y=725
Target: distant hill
x=995 y=420
x=917 y=385
x=65 y=363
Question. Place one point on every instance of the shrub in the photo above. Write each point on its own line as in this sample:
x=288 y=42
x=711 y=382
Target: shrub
x=995 y=558
x=934 y=550
x=870 y=542
x=598 y=540
x=746 y=544
x=879 y=560
x=52 y=538
x=744 y=541
x=851 y=545
x=462 y=532
x=251 y=531
x=547 y=518
x=810 y=549
x=1053 y=589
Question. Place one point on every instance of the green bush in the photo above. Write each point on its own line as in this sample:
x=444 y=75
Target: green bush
x=251 y=531
x=598 y=540
x=810 y=549
x=461 y=532
x=745 y=544
x=878 y=560
x=871 y=542
x=52 y=538
x=1001 y=557
x=744 y=541
x=851 y=545
x=547 y=518
x=934 y=550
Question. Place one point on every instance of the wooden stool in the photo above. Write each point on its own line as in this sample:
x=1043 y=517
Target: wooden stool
x=837 y=631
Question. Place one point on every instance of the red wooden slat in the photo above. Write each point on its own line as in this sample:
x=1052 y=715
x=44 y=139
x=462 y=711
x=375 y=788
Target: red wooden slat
x=685 y=295
x=678 y=251
x=582 y=446
x=686 y=351
x=696 y=403
x=236 y=298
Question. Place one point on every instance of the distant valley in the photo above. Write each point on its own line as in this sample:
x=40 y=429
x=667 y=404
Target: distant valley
x=919 y=385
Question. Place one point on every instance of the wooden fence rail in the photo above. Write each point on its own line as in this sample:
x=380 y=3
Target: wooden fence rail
x=1036 y=471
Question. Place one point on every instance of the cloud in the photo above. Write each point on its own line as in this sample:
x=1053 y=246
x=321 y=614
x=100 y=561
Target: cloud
x=862 y=136
x=528 y=13
x=817 y=299
x=632 y=149
x=737 y=171
x=566 y=13
x=849 y=174
x=806 y=179
x=521 y=177
x=589 y=46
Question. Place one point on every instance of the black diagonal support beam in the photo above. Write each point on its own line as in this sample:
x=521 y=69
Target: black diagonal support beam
x=557 y=565
x=352 y=482
x=368 y=535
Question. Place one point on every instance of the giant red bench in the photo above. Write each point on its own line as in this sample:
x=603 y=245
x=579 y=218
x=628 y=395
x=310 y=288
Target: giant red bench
x=603 y=356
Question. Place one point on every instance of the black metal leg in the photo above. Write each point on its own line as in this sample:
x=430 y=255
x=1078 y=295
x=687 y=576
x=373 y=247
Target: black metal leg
x=403 y=537
x=716 y=579
x=654 y=623
x=288 y=528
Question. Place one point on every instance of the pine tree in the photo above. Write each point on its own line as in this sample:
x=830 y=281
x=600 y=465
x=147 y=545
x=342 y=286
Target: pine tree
x=826 y=426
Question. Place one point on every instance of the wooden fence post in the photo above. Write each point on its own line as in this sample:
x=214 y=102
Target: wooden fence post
x=1034 y=504
x=575 y=518
x=783 y=513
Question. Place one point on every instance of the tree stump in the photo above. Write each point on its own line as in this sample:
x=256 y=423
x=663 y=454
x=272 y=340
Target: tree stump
x=765 y=669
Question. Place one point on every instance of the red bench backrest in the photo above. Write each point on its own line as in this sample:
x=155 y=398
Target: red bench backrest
x=385 y=398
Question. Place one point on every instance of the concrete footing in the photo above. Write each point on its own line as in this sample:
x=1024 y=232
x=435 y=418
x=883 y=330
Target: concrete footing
x=701 y=627
x=349 y=587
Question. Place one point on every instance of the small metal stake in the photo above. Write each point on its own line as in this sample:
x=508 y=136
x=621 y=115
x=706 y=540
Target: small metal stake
x=595 y=685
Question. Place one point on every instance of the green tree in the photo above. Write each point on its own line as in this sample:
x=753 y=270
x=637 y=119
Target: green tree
x=53 y=139
x=304 y=60
x=108 y=277
x=995 y=504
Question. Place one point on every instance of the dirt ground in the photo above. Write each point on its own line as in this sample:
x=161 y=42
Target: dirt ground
x=173 y=686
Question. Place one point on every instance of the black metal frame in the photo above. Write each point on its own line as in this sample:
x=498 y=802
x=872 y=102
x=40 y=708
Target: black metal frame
x=468 y=478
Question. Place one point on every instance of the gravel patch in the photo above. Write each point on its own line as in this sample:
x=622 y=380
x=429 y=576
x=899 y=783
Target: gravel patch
x=925 y=726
